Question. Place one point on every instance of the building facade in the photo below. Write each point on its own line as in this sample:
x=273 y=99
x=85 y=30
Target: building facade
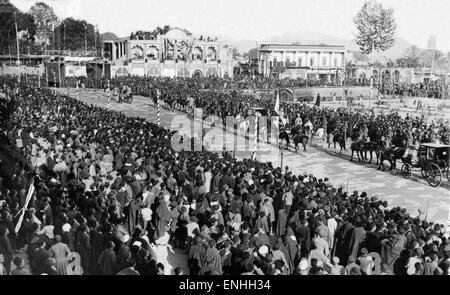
x=393 y=74
x=173 y=54
x=324 y=62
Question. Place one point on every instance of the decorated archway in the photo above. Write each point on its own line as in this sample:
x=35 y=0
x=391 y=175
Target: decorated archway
x=286 y=94
x=197 y=74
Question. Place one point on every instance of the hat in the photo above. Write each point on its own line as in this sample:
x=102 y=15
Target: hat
x=137 y=243
x=303 y=265
x=126 y=238
x=166 y=198
x=263 y=250
x=35 y=240
x=66 y=227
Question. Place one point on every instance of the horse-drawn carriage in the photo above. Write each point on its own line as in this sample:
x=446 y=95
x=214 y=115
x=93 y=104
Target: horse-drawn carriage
x=433 y=162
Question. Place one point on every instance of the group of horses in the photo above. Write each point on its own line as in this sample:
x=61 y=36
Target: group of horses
x=363 y=143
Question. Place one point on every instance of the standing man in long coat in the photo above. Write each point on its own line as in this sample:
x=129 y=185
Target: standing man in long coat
x=60 y=251
x=108 y=260
x=212 y=257
x=292 y=249
x=343 y=234
x=133 y=214
x=163 y=217
x=357 y=237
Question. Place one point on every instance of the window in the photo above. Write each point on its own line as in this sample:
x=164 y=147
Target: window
x=300 y=62
x=311 y=62
x=324 y=61
x=430 y=154
x=335 y=62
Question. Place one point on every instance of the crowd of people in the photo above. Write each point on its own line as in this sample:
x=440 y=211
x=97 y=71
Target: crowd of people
x=432 y=89
x=109 y=189
x=222 y=102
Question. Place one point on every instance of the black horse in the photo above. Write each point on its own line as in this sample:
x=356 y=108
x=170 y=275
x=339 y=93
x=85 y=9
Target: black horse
x=361 y=147
x=299 y=135
x=337 y=137
x=284 y=136
x=391 y=155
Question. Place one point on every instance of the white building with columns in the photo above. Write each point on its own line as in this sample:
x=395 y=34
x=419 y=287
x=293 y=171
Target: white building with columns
x=324 y=62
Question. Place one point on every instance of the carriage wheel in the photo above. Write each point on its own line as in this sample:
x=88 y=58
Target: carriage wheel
x=442 y=164
x=434 y=173
x=406 y=170
x=424 y=172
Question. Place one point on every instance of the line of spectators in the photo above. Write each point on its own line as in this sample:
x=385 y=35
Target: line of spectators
x=110 y=187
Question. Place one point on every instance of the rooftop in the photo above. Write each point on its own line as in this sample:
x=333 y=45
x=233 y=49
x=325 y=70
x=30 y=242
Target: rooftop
x=294 y=46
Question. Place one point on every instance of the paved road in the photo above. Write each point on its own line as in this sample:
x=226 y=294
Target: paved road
x=412 y=194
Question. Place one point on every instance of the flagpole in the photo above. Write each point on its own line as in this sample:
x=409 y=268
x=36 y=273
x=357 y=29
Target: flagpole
x=18 y=50
x=25 y=206
x=64 y=46
x=255 y=140
x=158 y=109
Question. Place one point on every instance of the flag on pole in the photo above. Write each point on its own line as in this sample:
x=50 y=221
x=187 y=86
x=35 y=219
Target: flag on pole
x=158 y=108
x=277 y=103
x=27 y=201
x=255 y=140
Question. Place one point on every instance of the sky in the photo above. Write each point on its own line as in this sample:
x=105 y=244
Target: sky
x=255 y=20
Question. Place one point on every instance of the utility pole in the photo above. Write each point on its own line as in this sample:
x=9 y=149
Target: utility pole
x=372 y=79
x=64 y=42
x=344 y=76
x=18 y=50
x=95 y=37
x=85 y=38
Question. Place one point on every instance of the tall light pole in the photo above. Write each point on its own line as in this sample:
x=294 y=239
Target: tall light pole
x=372 y=79
x=95 y=38
x=85 y=38
x=64 y=41
x=18 y=50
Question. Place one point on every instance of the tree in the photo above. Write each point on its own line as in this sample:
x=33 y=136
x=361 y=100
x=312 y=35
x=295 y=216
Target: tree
x=376 y=28
x=46 y=21
x=26 y=28
x=75 y=32
x=251 y=54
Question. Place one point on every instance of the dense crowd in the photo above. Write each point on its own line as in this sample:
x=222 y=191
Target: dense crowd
x=432 y=89
x=110 y=187
x=186 y=93
x=238 y=82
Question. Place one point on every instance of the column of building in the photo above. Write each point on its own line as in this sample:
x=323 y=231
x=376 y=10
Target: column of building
x=113 y=51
